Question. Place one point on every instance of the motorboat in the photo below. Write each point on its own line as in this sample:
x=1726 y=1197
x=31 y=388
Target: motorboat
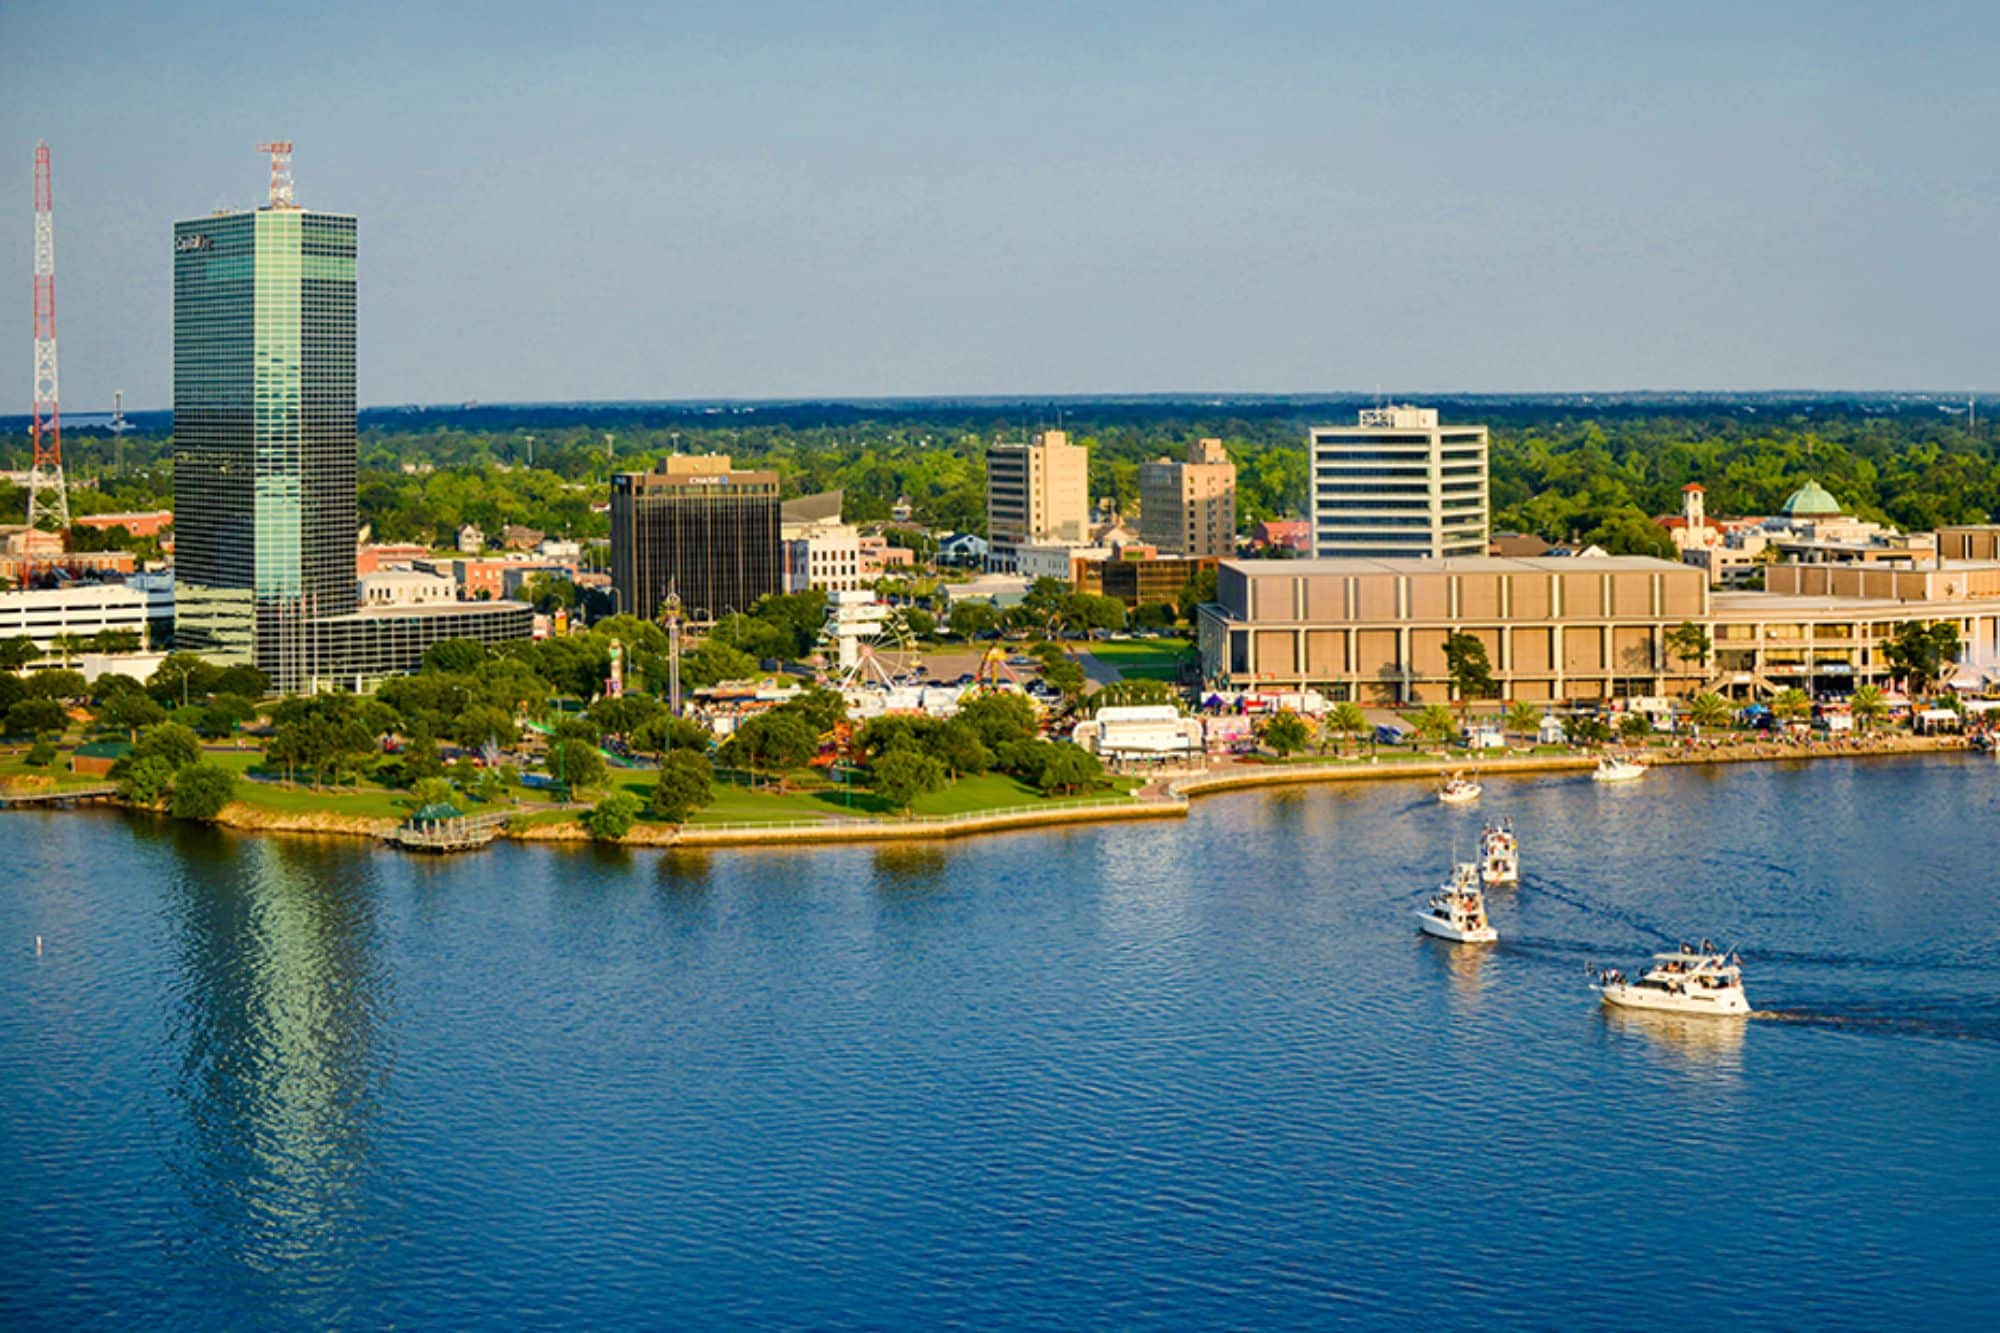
x=1458 y=911
x=1618 y=768
x=1459 y=790
x=1499 y=856
x=1693 y=979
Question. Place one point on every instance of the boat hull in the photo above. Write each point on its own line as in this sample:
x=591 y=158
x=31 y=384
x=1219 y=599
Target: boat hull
x=1444 y=930
x=1731 y=1003
x=1618 y=775
x=1459 y=797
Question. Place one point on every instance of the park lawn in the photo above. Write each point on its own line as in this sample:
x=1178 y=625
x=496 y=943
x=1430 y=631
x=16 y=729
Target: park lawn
x=1143 y=653
x=14 y=764
x=370 y=802
x=987 y=791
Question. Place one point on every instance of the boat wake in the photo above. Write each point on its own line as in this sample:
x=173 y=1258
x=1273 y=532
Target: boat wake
x=1886 y=1025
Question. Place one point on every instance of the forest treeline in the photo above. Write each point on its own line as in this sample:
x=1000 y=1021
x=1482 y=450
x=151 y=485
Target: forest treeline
x=1568 y=475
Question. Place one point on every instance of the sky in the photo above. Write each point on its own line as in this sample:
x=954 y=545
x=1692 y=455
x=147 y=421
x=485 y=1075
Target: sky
x=663 y=201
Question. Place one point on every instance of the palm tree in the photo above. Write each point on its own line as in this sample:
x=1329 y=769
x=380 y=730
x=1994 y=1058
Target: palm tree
x=1709 y=710
x=1523 y=718
x=1869 y=704
x=1436 y=723
x=1348 y=720
x=1791 y=704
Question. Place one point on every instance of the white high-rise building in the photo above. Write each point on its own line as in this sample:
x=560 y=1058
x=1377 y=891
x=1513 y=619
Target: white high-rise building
x=1397 y=483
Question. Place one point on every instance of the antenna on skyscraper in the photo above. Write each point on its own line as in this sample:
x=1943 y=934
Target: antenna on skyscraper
x=48 y=495
x=281 y=172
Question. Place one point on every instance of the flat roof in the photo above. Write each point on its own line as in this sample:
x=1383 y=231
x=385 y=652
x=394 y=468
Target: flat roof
x=419 y=610
x=1752 y=605
x=1463 y=564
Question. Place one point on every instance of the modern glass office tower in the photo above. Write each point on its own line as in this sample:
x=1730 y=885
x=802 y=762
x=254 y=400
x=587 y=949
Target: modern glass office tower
x=699 y=529
x=264 y=460
x=264 y=518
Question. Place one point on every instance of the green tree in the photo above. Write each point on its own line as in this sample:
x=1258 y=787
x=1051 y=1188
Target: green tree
x=902 y=775
x=612 y=818
x=1524 y=719
x=1587 y=729
x=223 y=714
x=1870 y=705
x=17 y=652
x=1633 y=728
x=1199 y=588
x=665 y=732
x=200 y=790
x=146 y=781
x=430 y=791
x=58 y=684
x=1286 y=732
x=1348 y=720
x=1471 y=672
x=1690 y=643
x=956 y=745
x=170 y=741
x=1436 y=723
x=128 y=712
x=968 y=620
x=1709 y=710
x=1069 y=769
x=459 y=656
x=685 y=786
x=776 y=739
x=625 y=714
x=921 y=622
x=576 y=763
x=1791 y=705
x=182 y=678
x=41 y=754
x=999 y=716
x=1921 y=653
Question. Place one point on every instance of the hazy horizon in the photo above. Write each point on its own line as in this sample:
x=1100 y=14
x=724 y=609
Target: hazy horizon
x=782 y=202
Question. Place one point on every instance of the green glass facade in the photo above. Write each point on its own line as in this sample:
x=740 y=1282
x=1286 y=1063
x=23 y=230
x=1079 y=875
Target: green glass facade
x=264 y=455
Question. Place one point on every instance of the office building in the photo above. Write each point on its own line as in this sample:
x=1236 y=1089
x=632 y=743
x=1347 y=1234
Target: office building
x=820 y=551
x=1189 y=508
x=698 y=528
x=1037 y=494
x=1562 y=630
x=1398 y=484
x=264 y=456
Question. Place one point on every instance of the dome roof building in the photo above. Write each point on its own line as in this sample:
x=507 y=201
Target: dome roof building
x=1812 y=500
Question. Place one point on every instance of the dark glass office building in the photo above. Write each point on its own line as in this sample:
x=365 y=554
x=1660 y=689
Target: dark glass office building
x=697 y=528
x=264 y=457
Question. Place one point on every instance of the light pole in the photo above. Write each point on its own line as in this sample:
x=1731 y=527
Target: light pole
x=670 y=610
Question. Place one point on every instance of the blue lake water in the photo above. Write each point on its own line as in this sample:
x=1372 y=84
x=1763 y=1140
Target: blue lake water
x=1176 y=1073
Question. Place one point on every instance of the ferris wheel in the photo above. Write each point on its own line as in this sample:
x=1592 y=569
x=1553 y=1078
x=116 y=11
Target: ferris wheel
x=871 y=641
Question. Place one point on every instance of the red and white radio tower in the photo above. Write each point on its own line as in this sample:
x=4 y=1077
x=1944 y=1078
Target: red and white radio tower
x=48 y=497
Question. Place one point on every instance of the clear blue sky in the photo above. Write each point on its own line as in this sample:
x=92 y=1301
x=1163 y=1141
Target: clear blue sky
x=577 y=200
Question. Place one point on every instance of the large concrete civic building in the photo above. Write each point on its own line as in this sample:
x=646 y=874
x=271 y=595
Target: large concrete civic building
x=700 y=529
x=1037 y=494
x=1189 y=508
x=1398 y=484
x=264 y=458
x=1569 y=629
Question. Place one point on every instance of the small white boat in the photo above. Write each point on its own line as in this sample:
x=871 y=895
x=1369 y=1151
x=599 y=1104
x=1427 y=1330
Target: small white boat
x=1458 y=912
x=1459 y=790
x=1618 y=768
x=1499 y=856
x=1693 y=979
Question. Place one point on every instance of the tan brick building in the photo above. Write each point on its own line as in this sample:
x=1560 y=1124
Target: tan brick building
x=1189 y=508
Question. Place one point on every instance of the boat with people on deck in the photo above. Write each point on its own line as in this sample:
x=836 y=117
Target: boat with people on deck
x=1693 y=979
x=1499 y=855
x=1618 y=768
x=1458 y=911
x=1459 y=789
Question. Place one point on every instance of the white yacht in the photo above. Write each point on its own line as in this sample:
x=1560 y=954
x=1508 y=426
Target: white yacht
x=1458 y=912
x=1618 y=768
x=1693 y=979
x=1459 y=790
x=1499 y=856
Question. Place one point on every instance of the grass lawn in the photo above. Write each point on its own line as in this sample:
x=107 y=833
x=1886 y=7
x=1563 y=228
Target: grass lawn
x=1143 y=653
x=14 y=764
x=988 y=791
x=370 y=802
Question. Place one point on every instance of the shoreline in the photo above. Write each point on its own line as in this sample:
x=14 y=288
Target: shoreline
x=1165 y=798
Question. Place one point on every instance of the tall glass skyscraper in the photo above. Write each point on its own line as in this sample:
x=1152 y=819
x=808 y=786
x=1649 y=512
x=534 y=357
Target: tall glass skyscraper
x=264 y=517
x=264 y=461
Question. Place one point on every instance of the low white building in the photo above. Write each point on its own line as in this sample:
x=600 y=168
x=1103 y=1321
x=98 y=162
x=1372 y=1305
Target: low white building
x=83 y=610
x=407 y=587
x=819 y=550
x=1153 y=732
x=1055 y=562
